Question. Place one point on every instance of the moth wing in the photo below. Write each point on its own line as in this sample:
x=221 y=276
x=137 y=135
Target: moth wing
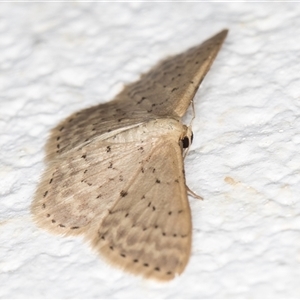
x=82 y=127
x=170 y=86
x=166 y=90
x=78 y=189
x=148 y=231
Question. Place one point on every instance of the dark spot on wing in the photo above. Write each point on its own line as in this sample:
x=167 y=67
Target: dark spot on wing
x=123 y=193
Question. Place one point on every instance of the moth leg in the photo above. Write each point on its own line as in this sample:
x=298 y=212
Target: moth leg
x=190 y=192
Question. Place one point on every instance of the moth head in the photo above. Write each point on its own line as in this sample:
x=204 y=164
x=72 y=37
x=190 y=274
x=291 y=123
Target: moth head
x=186 y=139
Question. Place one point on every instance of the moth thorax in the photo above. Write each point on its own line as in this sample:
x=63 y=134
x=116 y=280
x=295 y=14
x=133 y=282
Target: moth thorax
x=186 y=138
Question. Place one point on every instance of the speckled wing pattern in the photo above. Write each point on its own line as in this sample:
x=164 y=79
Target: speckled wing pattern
x=169 y=88
x=154 y=236
x=114 y=172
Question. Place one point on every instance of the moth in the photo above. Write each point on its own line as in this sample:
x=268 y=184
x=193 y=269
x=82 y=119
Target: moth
x=115 y=174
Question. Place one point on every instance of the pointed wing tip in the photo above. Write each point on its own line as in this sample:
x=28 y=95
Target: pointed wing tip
x=224 y=31
x=215 y=42
x=221 y=35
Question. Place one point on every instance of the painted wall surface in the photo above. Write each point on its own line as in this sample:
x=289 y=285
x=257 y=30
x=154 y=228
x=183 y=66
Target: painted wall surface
x=57 y=58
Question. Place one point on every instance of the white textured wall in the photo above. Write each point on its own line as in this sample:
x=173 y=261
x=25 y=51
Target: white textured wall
x=57 y=58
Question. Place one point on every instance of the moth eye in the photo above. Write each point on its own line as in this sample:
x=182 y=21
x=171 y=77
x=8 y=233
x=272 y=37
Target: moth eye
x=185 y=142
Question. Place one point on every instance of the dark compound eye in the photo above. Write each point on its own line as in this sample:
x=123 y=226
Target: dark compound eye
x=185 y=142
